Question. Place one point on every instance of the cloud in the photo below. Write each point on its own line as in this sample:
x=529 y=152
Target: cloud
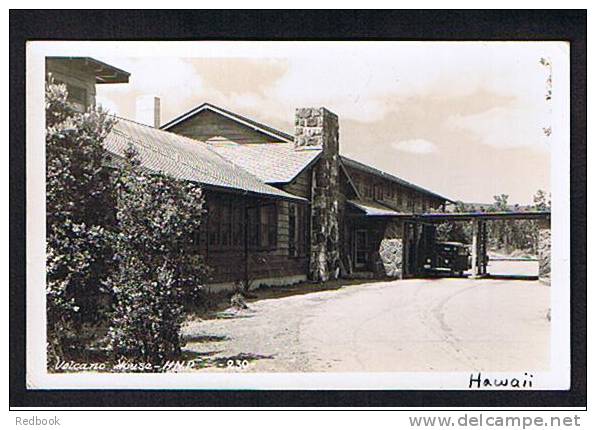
x=505 y=127
x=366 y=82
x=415 y=146
x=165 y=77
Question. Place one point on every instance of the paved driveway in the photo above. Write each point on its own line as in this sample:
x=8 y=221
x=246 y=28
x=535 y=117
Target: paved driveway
x=412 y=325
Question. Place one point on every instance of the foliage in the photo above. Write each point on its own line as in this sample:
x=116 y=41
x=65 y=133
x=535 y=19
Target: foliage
x=157 y=272
x=77 y=190
x=502 y=235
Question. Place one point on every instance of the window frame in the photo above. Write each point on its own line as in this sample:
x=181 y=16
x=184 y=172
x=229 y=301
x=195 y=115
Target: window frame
x=256 y=226
x=297 y=230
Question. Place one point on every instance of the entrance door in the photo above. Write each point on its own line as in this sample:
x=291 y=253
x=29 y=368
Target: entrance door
x=360 y=249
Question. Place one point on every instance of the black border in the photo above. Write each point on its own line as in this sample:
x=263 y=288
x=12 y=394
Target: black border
x=569 y=25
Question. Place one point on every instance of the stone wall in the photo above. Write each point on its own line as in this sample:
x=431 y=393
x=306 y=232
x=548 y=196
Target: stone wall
x=391 y=249
x=317 y=128
x=544 y=243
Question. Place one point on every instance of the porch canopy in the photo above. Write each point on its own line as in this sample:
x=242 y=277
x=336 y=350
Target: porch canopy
x=373 y=209
x=483 y=216
x=479 y=230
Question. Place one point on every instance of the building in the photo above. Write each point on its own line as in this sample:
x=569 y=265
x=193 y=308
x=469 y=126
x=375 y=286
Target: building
x=281 y=208
x=80 y=75
x=353 y=221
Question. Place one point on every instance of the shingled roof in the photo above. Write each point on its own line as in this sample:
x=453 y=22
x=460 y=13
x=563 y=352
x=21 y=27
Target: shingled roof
x=277 y=162
x=273 y=163
x=185 y=158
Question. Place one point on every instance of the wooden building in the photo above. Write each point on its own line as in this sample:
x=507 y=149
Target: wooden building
x=80 y=75
x=281 y=208
x=353 y=222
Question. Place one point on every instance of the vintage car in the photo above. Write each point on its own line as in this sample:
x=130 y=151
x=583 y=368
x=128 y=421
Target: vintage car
x=450 y=257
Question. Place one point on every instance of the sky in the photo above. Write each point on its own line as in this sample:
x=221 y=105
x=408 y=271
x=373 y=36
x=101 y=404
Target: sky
x=466 y=120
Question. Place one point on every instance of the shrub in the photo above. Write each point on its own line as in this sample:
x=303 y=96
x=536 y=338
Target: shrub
x=157 y=273
x=78 y=191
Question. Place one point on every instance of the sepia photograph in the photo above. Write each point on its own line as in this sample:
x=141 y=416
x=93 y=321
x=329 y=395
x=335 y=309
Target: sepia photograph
x=302 y=207
x=300 y=216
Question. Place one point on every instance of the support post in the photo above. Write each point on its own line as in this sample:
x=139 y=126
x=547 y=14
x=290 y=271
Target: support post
x=475 y=233
x=483 y=248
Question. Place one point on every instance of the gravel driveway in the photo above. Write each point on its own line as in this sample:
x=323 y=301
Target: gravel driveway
x=411 y=325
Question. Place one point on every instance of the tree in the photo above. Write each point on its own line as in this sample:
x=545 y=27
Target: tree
x=541 y=201
x=77 y=193
x=454 y=230
x=157 y=273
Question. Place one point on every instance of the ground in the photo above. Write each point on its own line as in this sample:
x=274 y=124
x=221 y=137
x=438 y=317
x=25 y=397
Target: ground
x=449 y=324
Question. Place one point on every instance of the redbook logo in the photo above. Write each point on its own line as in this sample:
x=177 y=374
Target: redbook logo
x=37 y=421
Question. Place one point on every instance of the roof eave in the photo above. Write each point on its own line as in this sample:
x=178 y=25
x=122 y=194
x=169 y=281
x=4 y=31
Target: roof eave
x=104 y=73
x=231 y=190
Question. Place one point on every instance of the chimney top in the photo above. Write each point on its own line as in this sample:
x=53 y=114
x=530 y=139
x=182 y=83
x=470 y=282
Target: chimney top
x=148 y=110
x=316 y=128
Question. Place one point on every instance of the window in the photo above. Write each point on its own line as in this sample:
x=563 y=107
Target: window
x=253 y=227
x=268 y=232
x=378 y=192
x=262 y=226
x=292 y=230
x=214 y=225
x=411 y=203
x=226 y=225
x=297 y=230
x=223 y=224
x=237 y=226
x=360 y=249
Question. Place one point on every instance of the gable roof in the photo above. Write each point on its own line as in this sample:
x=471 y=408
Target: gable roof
x=265 y=129
x=373 y=171
x=187 y=159
x=273 y=163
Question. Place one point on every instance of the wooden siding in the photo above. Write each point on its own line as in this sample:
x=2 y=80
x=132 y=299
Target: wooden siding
x=72 y=76
x=233 y=263
x=211 y=126
x=301 y=185
x=375 y=188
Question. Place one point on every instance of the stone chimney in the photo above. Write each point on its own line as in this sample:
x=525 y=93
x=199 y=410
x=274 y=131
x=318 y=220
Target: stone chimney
x=318 y=128
x=148 y=110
